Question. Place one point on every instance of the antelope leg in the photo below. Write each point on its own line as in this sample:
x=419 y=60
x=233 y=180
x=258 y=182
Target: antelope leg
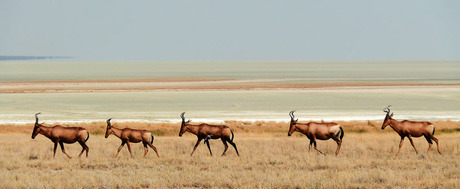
x=63 y=150
x=129 y=149
x=119 y=148
x=145 y=149
x=85 y=147
x=412 y=142
x=314 y=143
x=234 y=146
x=225 y=145
x=207 y=143
x=400 y=145
x=437 y=144
x=154 y=149
x=430 y=143
x=55 y=147
x=339 y=144
x=196 y=145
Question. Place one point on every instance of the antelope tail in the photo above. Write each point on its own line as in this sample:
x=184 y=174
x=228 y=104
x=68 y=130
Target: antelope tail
x=87 y=136
x=233 y=136
x=434 y=128
x=341 y=133
x=151 y=142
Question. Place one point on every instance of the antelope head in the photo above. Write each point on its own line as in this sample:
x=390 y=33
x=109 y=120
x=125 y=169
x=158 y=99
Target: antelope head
x=184 y=124
x=388 y=117
x=109 y=128
x=293 y=123
x=36 y=127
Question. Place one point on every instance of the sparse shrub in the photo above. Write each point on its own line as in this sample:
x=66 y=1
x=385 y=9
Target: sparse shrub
x=33 y=157
x=98 y=132
x=369 y=123
x=446 y=130
x=259 y=123
x=158 y=132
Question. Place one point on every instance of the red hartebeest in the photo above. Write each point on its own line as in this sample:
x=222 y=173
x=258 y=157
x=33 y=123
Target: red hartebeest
x=206 y=132
x=58 y=134
x=313 y=131
x=411 y=129
x=128 y=135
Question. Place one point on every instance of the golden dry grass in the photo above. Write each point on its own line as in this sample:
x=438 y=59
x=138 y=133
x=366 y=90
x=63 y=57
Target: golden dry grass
x=269 y=159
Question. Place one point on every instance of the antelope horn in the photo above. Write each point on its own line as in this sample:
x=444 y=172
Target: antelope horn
x=387 y=109
x=108 y=122
x=182 y=116
x=36 y=117
x=291 y=114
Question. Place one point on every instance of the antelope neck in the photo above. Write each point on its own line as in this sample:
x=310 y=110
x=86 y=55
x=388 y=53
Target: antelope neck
x=45 y=131
x=395 y=125
x=192 y=129
x=116 y=131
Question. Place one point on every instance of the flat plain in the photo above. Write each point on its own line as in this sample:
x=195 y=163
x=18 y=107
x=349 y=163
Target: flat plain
x=253 y=99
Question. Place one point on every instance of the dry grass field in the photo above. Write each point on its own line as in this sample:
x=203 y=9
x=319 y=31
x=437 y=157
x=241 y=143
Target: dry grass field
x=269 y=159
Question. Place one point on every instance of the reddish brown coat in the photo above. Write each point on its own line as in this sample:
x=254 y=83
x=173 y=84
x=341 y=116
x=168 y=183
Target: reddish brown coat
x=320 y=131
x=206 y=131
x=411 y=129
x=58 y=134
x=128 y=135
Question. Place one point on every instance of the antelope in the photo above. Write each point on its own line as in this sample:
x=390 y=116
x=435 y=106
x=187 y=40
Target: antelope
x=128 y=135
x=206 y=132
x=58 y=134
x=410 y=129
x=321 y=131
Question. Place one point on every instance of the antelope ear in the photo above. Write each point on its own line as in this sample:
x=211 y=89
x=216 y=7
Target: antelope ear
x=391 y=115
x=296 y=120
x=189 y=121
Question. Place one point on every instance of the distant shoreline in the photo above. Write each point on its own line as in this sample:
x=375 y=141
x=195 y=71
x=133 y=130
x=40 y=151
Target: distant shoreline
x=191 y=84
x=31 y=58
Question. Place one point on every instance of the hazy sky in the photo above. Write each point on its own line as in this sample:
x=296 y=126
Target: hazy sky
x=232 y=30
